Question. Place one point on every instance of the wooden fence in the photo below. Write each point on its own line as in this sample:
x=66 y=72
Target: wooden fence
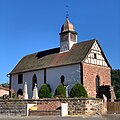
x=113 y=107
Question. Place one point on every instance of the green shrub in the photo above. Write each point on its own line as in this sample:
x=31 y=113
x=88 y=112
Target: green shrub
x=49 y=87
x=60 y=91
x=45 y=91
x=78 y=91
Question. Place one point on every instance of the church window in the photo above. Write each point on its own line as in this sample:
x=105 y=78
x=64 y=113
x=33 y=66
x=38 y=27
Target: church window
x=62 y=79
x=44 y=75
x=97 y=83
x=95 y=55
x=34 y=81
x=20 y=78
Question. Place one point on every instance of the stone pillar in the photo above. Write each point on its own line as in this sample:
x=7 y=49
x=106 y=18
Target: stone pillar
x=113 y=97
x=25 y=92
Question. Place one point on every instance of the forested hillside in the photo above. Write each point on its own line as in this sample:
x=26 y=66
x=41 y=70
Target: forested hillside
x=116 y=82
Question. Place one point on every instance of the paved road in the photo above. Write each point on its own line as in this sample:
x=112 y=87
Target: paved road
x=108 y=117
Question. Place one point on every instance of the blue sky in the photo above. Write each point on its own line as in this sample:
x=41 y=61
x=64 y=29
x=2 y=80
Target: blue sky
x=29 y=26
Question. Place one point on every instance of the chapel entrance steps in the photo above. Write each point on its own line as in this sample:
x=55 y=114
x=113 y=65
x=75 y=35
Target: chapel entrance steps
x=47 y=109
x=12 y=109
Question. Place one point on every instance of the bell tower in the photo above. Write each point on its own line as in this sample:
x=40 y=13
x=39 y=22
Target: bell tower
x=68 y=36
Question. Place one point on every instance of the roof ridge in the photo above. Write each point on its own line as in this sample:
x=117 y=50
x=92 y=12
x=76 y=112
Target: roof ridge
x=88 y=40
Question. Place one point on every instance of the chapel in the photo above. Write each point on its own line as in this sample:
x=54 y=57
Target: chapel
x=73 y=62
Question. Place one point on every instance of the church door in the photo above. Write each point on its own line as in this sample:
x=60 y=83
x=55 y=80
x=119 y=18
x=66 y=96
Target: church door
x=19 y=92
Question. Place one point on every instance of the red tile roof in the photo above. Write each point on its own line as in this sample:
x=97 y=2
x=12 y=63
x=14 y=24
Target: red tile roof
x=4 y=88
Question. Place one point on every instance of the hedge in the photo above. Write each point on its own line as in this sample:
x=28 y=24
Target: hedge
x=78 y=91
x=45 y=91
x=60 y=91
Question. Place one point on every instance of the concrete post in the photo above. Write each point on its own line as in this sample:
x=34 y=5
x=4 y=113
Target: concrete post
x=28 y=107
x=64 y=109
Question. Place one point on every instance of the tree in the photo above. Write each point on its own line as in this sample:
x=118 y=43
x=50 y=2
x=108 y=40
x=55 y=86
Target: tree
x=6 y=85
x=115 y=76
x=60 y=91
x=78 y=91
x=45 y=91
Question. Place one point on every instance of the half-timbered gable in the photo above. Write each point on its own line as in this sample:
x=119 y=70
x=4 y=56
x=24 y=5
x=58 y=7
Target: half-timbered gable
x=96 y=56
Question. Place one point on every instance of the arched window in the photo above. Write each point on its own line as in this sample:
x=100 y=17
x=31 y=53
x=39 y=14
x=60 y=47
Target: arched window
x=34 y=81
x=97 y=83
x=19 y=92
x=62 y=79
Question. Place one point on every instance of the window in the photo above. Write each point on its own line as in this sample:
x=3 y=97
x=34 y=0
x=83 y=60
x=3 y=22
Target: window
x=34 y=81
x=95 y=56
x=73 y=37
x=97 y=83
x=44 y=75
x=62 y=79
x=20 y=78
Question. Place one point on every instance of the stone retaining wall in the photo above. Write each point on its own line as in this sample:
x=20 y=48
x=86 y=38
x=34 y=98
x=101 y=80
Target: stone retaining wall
x=85 y=106
x=76 y=106
x=13 y=109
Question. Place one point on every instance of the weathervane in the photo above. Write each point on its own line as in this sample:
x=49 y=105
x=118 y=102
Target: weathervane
x=67 y=14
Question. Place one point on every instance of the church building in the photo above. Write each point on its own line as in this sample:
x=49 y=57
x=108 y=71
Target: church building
x=71 y=63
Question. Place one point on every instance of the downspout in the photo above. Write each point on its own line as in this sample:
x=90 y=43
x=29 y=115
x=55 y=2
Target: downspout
x=9 y=76
x=81 y=73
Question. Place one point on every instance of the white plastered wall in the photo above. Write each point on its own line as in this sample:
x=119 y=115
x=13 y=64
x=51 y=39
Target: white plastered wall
x=71 y=73
x=27 y=77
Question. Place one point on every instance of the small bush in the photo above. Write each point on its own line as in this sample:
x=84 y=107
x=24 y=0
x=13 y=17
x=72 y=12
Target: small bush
x=78 y=91
x=49 y=87
x=45 y=91
x=13 y=94
x=60 y=91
